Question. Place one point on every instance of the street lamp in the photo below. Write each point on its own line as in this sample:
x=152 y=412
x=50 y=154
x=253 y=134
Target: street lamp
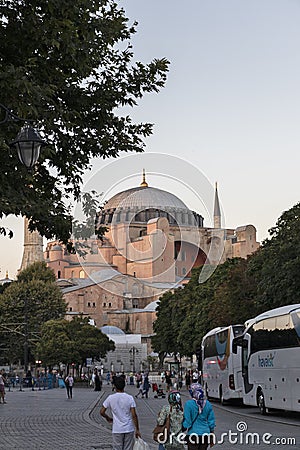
x=28 y=142
x=133 y=352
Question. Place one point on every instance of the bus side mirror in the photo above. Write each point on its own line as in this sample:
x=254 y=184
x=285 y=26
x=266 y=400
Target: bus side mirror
x=236 y=342
x=244 y=343
x=234 y=347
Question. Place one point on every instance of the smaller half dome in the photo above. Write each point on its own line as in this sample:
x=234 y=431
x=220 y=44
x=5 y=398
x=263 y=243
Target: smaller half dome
x=110 y=329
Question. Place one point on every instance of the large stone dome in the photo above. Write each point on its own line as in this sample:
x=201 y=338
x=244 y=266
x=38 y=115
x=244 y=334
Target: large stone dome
x=145 y=197
x=143 y=203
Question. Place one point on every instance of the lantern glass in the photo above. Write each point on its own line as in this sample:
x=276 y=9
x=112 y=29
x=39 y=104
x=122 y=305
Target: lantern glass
x=28 y=153
x=28 y=144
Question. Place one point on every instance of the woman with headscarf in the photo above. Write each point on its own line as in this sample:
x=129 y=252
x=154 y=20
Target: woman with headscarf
x=198 y=420
x=175 y=410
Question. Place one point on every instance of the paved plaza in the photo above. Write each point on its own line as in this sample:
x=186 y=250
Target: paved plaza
x=47 y=419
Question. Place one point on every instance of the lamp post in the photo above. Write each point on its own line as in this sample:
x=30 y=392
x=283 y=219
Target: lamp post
x=28 y=142
x=133 y=352
x=25 y=336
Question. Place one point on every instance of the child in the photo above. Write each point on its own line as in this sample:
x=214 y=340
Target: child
x=160 y=392
x=154 y=387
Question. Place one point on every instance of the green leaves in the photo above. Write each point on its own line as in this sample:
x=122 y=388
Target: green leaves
x=276 y=265
x=185 y=316
x=64 y=65
x=25 y=306
x=65 y=342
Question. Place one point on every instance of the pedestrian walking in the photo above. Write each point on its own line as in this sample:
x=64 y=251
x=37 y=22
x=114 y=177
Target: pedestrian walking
x=195 y=376
x=146 y=385
x=188 y=379
x=29 y=379
x=173 y=412
x=69 y=382
x=139 y=379
x=97 y=381
x=140 y=392
x=168 y=380
x=2 y=388
x=198 y=420
x=124 y=419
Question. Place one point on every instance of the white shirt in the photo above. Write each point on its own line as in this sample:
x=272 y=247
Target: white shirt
x=120 y=404
x=71 y=380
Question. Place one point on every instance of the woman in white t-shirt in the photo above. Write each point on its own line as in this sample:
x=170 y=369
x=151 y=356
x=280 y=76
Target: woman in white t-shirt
x=69 y=382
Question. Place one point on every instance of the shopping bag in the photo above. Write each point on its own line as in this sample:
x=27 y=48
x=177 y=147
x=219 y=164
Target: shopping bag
x=140 y=444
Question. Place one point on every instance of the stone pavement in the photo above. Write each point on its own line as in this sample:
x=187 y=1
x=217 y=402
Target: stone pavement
x=46 y=419
x=42 y=420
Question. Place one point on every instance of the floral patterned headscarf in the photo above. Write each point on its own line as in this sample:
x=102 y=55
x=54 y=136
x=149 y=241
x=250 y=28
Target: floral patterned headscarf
x=197 y=394
x=174 y=399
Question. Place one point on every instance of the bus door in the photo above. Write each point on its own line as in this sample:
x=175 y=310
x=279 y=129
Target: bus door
x=245 y=363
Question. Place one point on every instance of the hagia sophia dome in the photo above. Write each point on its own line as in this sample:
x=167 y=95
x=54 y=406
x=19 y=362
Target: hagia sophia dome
x=145 y=197
x=143 y=203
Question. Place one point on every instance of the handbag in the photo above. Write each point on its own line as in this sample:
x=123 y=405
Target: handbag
x=161 y=432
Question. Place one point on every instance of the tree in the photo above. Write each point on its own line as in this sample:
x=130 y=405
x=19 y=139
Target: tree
x=163 y=341
x=226 y=298
x=276 y=265
x=234 y=296
x=24 y=306
x=68 y=66
x=73 y=341
x=37 y=271
x=55 y=344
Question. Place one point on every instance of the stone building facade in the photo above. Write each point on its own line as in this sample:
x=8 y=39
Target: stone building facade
x=151 y=245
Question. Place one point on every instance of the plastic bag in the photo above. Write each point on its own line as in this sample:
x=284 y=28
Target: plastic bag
x=139 y=444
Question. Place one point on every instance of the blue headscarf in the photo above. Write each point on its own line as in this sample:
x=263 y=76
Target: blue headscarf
x=197 y=393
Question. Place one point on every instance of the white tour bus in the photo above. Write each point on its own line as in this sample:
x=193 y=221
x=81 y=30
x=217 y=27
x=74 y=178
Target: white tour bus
x=221 y=368
x=271 y=359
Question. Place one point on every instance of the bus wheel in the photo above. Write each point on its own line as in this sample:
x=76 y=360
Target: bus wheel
x=221 y=396
x=261 y=402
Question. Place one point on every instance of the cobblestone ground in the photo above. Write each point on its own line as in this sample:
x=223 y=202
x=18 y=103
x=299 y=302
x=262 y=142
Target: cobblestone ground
x=47 y=419
x=42 y=420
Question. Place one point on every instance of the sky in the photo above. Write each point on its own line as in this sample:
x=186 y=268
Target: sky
x=230 y=109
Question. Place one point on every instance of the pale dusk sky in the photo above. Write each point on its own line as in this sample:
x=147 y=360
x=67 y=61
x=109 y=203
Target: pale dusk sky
x=230 y=108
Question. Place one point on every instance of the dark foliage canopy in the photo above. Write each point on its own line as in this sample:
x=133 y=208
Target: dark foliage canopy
x=69 y=67
x=238 y=290
x=71 y=342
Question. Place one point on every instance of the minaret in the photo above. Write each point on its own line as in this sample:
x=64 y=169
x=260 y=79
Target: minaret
x=144 y=182
x=217 y=210
x=33 y=247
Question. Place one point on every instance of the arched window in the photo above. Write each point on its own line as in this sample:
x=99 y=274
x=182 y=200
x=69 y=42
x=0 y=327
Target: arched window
x=81 y=274
x=58 y=274
x=137 y=326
